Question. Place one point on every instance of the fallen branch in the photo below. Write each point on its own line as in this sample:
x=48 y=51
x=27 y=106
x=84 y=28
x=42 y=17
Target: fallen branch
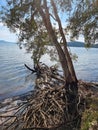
x=33 y=71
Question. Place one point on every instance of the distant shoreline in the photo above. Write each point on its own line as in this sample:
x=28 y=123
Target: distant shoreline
x=80 y=44
x=70 y=44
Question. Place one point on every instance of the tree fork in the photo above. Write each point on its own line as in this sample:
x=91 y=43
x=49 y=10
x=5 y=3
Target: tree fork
x=46 y=20
x=70 y=78
x=67 y=55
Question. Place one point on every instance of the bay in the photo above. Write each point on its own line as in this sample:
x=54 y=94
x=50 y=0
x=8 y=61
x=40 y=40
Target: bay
x=15 y=79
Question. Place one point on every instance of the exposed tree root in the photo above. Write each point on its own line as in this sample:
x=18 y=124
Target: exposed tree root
x=46 y=107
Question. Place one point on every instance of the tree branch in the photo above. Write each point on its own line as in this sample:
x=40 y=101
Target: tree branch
x=33 y=71
x=52 y=16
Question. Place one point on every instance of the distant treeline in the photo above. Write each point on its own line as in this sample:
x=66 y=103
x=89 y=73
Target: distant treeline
x=71 y=44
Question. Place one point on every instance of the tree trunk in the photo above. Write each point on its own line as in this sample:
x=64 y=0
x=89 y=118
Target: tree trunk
x=67 y=55
x=71 y=85
x=63 y=61
x=64 y=57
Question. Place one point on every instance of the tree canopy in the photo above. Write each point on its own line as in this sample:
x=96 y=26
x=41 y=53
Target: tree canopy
x=84 y=20
x=33 y=20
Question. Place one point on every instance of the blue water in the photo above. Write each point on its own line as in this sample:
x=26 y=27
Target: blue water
x=87 y=64
x=16 y=79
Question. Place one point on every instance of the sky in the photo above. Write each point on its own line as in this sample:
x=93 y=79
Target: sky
x=6 y=35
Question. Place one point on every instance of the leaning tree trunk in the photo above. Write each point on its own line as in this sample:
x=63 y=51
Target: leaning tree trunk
x=67 y=55
x=65 y=60
x=62 y=58
x=71 y=85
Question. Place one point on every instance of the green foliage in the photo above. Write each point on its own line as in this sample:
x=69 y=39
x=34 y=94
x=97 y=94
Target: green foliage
x=74 y=57
x=84 y=20
x=90 y=116
x=64 y=5
x=23 y=18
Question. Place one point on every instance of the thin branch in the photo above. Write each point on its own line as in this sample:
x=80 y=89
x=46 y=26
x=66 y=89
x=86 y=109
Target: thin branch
x=52 y=16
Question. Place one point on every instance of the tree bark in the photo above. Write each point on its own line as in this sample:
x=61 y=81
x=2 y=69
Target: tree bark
x=46 y=19
x=67 y=55
x=66 y=62
x=64 y=57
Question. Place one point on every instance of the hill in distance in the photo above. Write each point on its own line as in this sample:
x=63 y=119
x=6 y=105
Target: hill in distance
x=70 y=44
x=76 y=44
x=80 y=44
x=3 y=41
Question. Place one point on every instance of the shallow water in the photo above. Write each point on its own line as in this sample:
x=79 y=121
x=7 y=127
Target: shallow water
x=15 y=79
x=87 y=64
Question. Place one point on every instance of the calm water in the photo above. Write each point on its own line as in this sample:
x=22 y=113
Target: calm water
x=87 y=64
x=16 y=79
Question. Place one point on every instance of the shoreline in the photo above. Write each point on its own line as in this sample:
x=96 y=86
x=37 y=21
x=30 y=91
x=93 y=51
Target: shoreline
x=19 y=94
x=9 y=106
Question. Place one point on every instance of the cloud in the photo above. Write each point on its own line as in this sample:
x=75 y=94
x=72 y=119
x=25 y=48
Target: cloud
x=6 y=35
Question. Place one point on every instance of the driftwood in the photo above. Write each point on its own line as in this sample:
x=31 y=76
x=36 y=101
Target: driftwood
x=46 y=107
